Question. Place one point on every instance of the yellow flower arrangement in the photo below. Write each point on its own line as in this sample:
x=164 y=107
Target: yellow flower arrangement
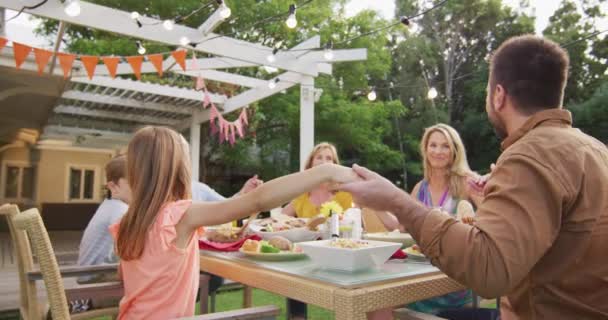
x=331 y=206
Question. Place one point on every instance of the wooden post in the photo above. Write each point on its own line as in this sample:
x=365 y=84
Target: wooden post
x=307 y=118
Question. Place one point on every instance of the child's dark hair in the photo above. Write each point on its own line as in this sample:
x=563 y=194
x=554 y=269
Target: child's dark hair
x=115 y=169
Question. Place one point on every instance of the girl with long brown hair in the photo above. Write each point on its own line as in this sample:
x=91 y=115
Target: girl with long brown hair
x=157 y=238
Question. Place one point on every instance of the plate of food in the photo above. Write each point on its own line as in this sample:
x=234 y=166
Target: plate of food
x=291 y=228
x=275 y=249
x=405 y=239
x=414 y=253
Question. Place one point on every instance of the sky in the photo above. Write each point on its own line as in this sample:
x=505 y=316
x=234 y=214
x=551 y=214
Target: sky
x=22 y=27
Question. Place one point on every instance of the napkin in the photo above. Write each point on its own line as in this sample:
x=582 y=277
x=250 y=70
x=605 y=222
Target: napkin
x=205 y=244
x=399 y=254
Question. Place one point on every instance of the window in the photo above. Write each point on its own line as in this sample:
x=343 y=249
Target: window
x=81 y=184
x=18 y=182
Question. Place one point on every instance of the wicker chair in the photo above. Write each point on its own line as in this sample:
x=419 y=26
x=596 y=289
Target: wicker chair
x=31 y=222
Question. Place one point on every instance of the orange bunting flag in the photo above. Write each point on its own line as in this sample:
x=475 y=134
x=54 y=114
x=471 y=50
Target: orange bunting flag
x=42 y=58
x=135 y=62
x=66 y=61
x=90 y=63
x=157 y=61
x=21 y=52
x=3 y=42
x=180 y=58
x=112 y=65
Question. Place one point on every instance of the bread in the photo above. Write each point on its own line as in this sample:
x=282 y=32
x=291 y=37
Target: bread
x=314 y=223
x=280 y=243
x=251 y=246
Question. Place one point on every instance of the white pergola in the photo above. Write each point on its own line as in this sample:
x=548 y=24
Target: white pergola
x=106 y=108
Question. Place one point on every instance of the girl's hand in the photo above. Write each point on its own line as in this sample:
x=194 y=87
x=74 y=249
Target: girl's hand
x=341 y=174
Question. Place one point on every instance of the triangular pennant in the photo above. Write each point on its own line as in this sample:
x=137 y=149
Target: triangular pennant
x=194 y=62
x=21 y=51
x=239 y=128
x=213 y=113
x=200 y=83
x=221 y=131
x=180 y=58
x=243 y=117
x=112 y=64
x=227 y=129
x=135 y=62
x=42 y=58
x=66 y=61
x=90 y=63
x=3 y=42
x=232 y=134
x=213 y=127
x=157 y=61
x=206 y=99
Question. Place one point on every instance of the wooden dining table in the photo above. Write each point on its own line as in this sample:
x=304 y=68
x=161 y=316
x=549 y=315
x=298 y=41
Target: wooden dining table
x=350 y=295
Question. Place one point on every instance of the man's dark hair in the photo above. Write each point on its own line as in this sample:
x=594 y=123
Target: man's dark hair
x=533 y=71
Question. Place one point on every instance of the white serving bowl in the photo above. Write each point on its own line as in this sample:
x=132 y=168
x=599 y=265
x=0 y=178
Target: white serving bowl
x=293 y=235
x=345 y=259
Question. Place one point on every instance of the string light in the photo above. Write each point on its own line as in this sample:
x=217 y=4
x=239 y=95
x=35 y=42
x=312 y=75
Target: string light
x=432 y=94
x=371 y=96
x=270 y=69
x=184 y=41
x=135 y=16
x=140 y=48
x=272 y=57
x=329 y=53
x=291 y=21
x=225 y=12
x=72 y=8
x=168 y=24
x=273 y=83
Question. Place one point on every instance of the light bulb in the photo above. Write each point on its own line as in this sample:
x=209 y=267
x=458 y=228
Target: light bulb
x=414 y=27
x=432 y=94
x=225 y=12
x=134 y=15
x=371 y=96
x=271 y=58
x=168 y=24
x=270 y=69
x=272 y=84
x=72 y=8
x=329 y=54
x=184 y=41
x=291 y=21
x=141 y=50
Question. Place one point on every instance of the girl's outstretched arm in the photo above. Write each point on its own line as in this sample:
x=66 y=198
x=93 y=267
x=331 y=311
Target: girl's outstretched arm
x=268 y=196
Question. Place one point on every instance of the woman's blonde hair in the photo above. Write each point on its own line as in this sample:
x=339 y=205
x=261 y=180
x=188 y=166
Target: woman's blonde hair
x=459 y=167
x=158 y=172
x=319 y=147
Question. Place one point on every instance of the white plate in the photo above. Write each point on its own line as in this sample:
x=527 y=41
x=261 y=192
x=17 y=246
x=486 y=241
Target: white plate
x=405 y=239
x=280 y=256
x=345 y=259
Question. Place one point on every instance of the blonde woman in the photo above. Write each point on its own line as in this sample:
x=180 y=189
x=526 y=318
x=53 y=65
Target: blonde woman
x=307 y=205
x=446 y=181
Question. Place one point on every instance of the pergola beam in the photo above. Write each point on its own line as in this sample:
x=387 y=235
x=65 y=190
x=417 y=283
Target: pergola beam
x=96 y=16
x=82 y=111
x=125 y=102
x=225 y=77
x=150 y=88
x=56 y=130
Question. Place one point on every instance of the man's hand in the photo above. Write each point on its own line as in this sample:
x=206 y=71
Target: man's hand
x=373 y=191
x=478 y=183
x=251 y=184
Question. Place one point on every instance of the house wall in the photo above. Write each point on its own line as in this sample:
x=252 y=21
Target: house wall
x=53 y=167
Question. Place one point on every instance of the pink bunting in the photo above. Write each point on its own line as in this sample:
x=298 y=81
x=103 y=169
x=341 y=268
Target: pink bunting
x=243 y=117
x=221 y=133
x=239 y=128
x=213 y=127
x=232 y=135
x=206 y=99
x=200 y=83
